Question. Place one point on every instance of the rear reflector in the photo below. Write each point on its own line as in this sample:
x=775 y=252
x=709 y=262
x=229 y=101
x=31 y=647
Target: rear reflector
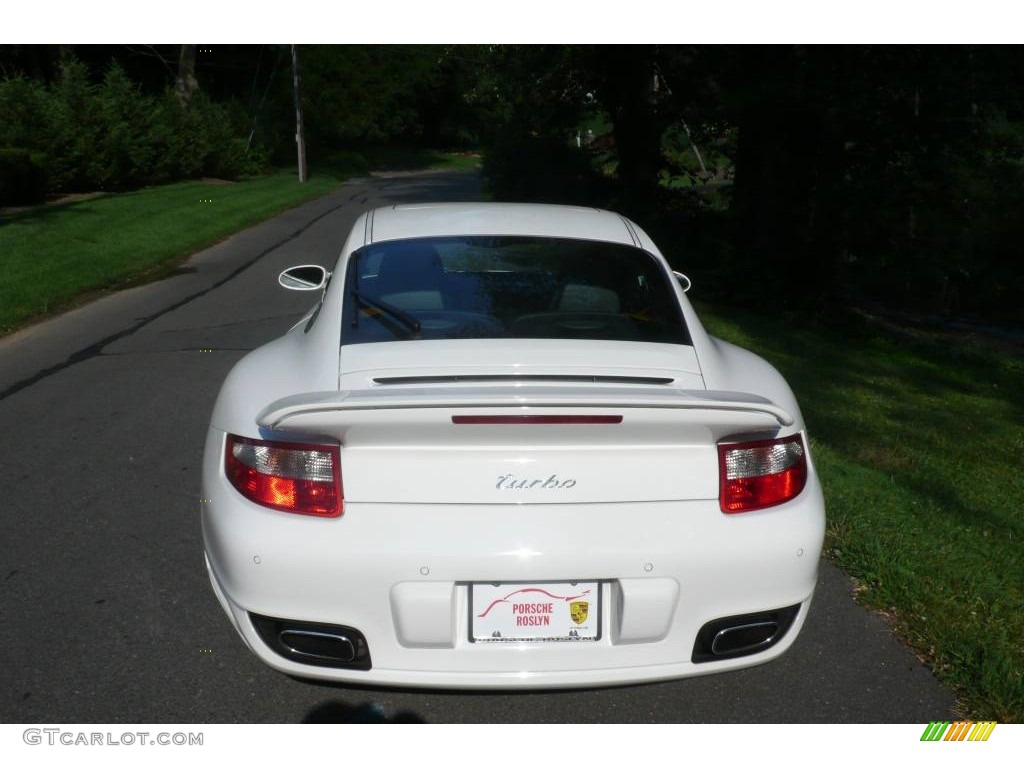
x=761 y=473
x=549 y=419
x=291 y=477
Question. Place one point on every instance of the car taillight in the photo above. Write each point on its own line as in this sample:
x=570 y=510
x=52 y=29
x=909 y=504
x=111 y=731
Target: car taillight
x=761 y=473
x=291 y=477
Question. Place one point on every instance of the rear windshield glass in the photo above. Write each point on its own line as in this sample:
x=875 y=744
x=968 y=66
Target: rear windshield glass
x=508 y=287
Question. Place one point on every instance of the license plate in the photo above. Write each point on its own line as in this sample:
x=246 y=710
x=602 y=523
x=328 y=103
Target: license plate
x=564 y=611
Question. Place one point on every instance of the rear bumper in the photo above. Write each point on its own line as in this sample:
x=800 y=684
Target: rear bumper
x=399 y=573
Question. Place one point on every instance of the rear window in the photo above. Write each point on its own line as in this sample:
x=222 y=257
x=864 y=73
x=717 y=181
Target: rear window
x=508 y=287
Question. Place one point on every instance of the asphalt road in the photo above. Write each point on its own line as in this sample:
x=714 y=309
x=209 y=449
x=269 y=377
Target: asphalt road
x=106 y=614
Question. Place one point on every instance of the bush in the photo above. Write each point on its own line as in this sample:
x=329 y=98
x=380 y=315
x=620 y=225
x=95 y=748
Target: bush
x=125 y=147
x=22 y=179
x=224 y=156
x=73 y=131
x=112 y=136
x=23 y=104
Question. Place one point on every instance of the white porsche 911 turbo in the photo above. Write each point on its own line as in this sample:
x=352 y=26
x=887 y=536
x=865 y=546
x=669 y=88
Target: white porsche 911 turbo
x=500 y=452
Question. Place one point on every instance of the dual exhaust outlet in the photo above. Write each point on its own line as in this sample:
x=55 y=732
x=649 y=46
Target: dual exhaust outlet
x=331 y=645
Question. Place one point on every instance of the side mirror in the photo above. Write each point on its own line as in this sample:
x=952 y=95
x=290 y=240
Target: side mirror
x=307 y=277
x=684 y=281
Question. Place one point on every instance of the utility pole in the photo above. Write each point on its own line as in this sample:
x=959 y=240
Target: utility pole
x=300 y=131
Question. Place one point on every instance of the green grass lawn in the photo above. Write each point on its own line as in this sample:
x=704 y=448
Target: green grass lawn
x=51 y=256
x=919 y=444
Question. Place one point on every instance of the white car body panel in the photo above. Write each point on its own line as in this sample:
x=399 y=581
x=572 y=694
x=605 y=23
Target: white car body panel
x=716 y=564
x=659 y=452
x=361 y=363
x=426 y=511
x=407 y=221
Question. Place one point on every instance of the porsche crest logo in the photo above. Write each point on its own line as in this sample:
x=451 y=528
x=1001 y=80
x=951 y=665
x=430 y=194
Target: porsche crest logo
x=578 y=610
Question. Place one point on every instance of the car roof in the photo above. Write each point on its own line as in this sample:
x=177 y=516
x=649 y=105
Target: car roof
x=400 y=222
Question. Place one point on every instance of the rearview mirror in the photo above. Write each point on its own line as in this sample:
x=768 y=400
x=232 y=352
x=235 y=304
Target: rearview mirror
x=307 y=277
x=684 y=281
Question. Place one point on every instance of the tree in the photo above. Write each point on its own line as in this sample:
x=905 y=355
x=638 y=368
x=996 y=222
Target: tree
x=623 y=80
x=186 y=84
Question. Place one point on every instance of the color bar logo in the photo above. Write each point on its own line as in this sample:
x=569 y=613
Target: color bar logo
x=962 y=730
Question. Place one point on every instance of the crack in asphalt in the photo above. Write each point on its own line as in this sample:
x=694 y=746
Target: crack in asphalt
x=96 y=349
x=236 y=322
x=180 y=349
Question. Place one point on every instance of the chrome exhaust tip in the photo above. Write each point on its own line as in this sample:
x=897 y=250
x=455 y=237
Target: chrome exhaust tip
x=326 y=646
x=743 y=635
x=319 y=645
x=745 y=638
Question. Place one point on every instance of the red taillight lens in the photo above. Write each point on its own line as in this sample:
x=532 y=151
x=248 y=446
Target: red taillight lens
x=762 y=473
x=291 y=477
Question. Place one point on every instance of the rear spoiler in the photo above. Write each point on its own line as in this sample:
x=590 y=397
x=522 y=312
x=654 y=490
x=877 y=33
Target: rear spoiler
x=276 y=415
